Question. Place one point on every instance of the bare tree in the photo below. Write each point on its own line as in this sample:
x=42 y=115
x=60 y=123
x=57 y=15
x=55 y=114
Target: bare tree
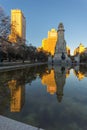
x=4 y=24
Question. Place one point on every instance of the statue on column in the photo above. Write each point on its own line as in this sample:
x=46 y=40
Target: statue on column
x=60 y=55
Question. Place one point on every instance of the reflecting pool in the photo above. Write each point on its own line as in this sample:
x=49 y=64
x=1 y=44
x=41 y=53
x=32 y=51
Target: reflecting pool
x=49 y=97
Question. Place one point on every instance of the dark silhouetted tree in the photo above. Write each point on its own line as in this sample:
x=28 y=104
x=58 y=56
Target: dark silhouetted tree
x=4 y=24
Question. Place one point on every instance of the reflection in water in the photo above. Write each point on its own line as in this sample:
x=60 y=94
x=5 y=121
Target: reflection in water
x=54 y=77
x=55 y=80
x=12 y=86
x=49 y=80
x=17 y=95
x=60 y=77
x=39 y=108
x=79 y=74
x=80 y=71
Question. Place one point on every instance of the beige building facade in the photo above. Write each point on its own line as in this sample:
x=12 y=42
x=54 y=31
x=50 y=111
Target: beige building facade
x=18 y=29
x=80 y=49
x=49 y=43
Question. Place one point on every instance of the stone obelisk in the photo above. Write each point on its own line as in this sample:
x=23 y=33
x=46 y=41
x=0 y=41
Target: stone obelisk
x=60 y=55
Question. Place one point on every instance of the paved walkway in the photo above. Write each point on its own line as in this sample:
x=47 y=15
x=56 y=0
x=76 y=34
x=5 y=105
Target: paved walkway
x=17 y=65
x=9 y=124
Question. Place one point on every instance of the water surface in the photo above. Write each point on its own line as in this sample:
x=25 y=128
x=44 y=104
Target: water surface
x=49 y=97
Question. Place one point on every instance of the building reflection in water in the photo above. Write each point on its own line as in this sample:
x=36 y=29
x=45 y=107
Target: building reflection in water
x=49 y=80
x=17 y=95
x=80 y=72
x=55 y=80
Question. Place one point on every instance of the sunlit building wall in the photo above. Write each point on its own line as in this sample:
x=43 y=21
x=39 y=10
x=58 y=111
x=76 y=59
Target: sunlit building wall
x=45 y=44
x=68 y=50
x=80 y=49
x=18 y=28
x=48 y=44
x=49 y=81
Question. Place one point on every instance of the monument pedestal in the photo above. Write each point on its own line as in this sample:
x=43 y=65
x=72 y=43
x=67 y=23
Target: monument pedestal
x=58 y=59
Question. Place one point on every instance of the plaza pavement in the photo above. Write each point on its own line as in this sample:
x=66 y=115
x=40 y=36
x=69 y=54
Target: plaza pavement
x=10 y=124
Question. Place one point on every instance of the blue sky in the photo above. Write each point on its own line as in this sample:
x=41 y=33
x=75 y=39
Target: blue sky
x=42 y=15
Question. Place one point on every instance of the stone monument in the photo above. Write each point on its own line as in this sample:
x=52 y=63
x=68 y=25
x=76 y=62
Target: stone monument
x=60 y=55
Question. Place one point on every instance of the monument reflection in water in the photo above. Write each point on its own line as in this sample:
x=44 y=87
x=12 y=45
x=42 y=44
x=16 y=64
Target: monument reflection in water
x=55 y=80
x=49 y=97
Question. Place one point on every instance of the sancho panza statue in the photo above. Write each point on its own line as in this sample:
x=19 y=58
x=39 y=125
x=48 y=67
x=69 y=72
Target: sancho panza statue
x=60 y=55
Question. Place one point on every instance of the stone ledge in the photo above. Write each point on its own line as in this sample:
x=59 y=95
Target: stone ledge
x=10 y=124
x=17 y=66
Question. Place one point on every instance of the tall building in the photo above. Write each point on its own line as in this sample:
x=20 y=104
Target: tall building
x=48 y=44
x=80 y=49
x=18 y=29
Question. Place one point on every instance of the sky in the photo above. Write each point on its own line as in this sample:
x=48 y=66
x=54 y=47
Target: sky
x=43 y=15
